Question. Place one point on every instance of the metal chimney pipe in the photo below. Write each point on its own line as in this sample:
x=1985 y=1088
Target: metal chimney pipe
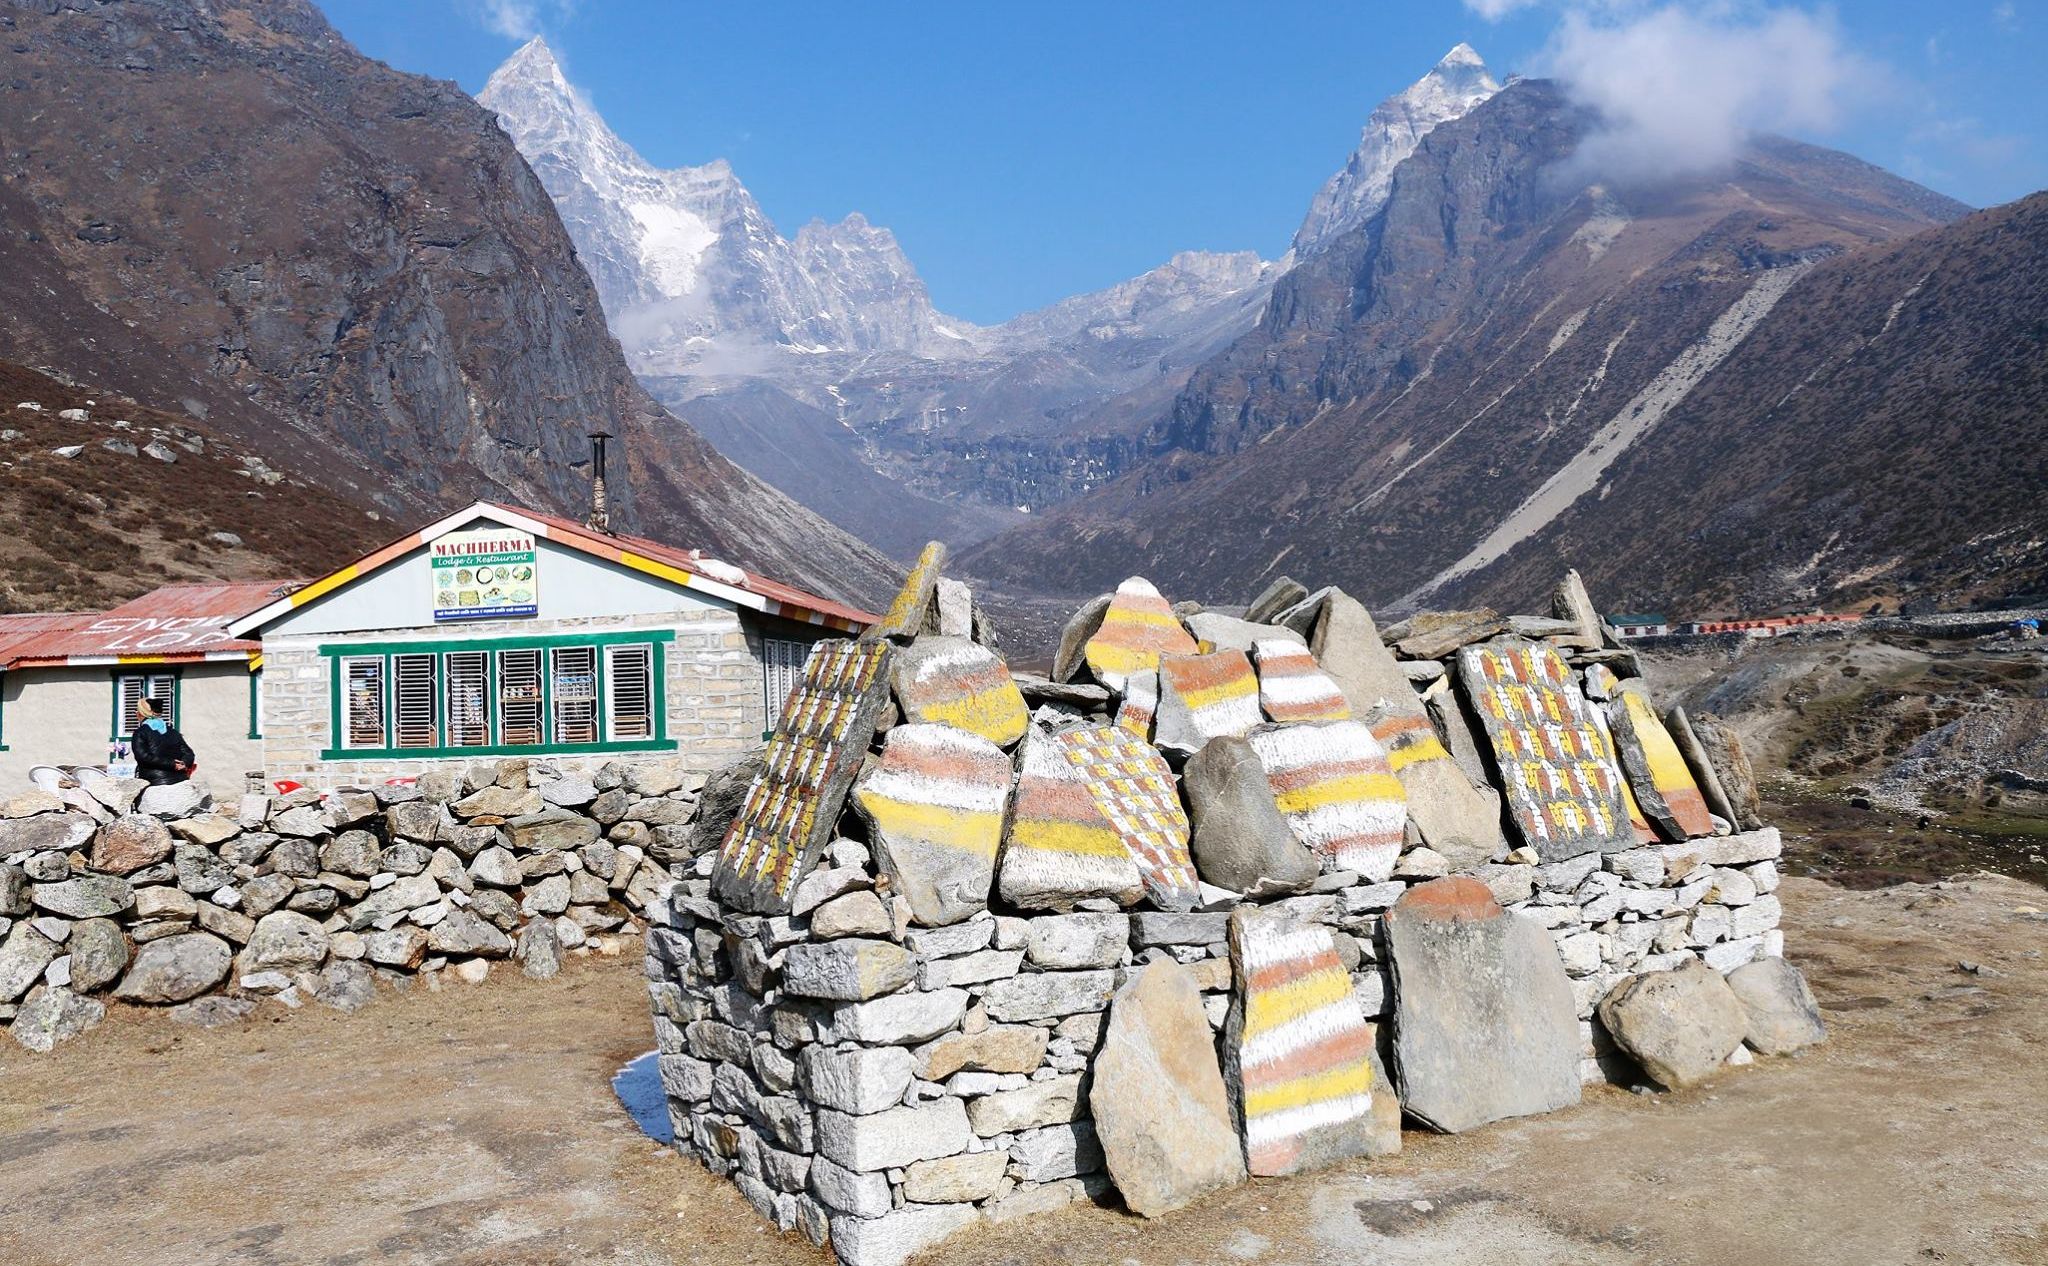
x=600 y=519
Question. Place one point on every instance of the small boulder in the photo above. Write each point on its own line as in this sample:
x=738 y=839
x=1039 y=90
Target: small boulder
x=99 y=954
x=539 y=950
x=1239 y=839
x=175 y=969
x=174 y=800
x=52 y=1015
x=286 y=940
x=1783 y=1016
x=1680 y=1025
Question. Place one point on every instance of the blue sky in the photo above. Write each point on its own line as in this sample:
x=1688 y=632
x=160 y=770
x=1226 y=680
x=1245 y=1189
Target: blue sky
x=1022 y=154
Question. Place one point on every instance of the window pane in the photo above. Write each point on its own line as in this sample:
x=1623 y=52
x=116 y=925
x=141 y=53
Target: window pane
x=629 y=686
x=469 y=700
x=364 y=713
x=782 y=666
x=519 y=698
x=574 y=685
x=416 y=724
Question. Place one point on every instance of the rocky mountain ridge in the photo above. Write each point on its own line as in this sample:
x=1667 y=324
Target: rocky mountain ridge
x=346 y=267
x=970 y=423
x=1450 y=400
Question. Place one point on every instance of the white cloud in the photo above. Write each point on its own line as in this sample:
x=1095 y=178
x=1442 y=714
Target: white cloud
x=1495 y=10
x=517 y=19
x=2005 y=17
x=1678 y=90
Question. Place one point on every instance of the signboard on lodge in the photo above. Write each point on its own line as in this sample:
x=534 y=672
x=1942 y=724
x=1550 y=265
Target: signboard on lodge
x=485 y=575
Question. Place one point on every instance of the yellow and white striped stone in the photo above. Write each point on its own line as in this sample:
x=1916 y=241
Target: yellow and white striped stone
x=1293 y=687
x=1333 y=785
x=1137 y=629
x=954 y=681
x=1297 y=1045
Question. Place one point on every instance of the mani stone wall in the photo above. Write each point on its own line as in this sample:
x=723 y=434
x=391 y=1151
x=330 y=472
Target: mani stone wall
x=1244 y=889
x=113 y=893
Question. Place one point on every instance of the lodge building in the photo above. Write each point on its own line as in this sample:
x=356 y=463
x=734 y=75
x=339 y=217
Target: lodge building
x=501 y=632
x=491 y=632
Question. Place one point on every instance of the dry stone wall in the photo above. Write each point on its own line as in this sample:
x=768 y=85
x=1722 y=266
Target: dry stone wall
x=1027 y=959
x=114 y=892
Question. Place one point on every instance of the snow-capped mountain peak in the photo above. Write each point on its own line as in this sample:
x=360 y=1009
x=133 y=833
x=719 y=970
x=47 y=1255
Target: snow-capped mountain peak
x=1453 y=87
x=692 y=273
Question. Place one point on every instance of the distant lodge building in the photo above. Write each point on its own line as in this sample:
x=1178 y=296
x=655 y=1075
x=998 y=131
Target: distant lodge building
x=1639 y=626
x=493 y=632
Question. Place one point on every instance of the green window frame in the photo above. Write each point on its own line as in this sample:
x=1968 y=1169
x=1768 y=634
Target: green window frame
x=360 y=664
x=121 y=722
x=255 y=703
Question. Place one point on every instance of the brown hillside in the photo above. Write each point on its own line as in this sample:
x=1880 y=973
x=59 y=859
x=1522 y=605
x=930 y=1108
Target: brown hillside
x=91 y=531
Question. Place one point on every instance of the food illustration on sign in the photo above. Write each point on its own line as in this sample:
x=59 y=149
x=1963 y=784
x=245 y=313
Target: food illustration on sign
x=488 y=575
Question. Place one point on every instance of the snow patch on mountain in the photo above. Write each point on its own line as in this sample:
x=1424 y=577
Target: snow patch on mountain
x=1451 y=90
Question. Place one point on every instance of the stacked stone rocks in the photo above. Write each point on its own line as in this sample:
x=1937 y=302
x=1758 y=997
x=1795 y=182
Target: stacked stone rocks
x=978 y=944
x=154 y=896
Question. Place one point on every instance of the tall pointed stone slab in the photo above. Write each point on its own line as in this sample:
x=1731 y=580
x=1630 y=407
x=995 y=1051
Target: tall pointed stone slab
x=1702 y=766
x=955 y=608
x=1061 y=848
x=952 y=681
x=1571 y=602
x=793 y=804
x=1293 y=687
x=1333 y=786
x=1070 y=657
x=1161 y=1109
x=1133 y=787
x=1485 y=1022
x=911 y=613
x=934 y=806
x=1731 y=765
x=1203 y=697
x=1137 y=628
x=1297 y=1048
x=1664 y=787
x=1565 y=794
x=1454 y=816
x=1638 y=821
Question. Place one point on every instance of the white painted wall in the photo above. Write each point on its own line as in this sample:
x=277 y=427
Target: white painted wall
x=63 y=716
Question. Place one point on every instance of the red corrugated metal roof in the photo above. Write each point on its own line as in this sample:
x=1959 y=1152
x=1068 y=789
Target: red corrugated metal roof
x=677 y=566
x=177 y=622
x=23 y=628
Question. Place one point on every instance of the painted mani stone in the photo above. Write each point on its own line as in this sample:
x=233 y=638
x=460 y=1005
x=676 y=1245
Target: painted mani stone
x=952 y=681
x=1664 y=786
x=1134 y=788
x=1137 y=628
x=1645 y=833
x=1140 y=704
x=911 y=612
x=1293 y=687
x=1096 y=815
x=1565 y=794
x=813 y=756
x=1333 y=786
x=1202 y=697
x=934 y=807
x=1297 y=1047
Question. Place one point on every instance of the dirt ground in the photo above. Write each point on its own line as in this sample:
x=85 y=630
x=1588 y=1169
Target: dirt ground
x=477 y=1125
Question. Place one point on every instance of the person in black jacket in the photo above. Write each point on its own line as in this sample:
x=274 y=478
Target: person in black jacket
x=161 y=754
